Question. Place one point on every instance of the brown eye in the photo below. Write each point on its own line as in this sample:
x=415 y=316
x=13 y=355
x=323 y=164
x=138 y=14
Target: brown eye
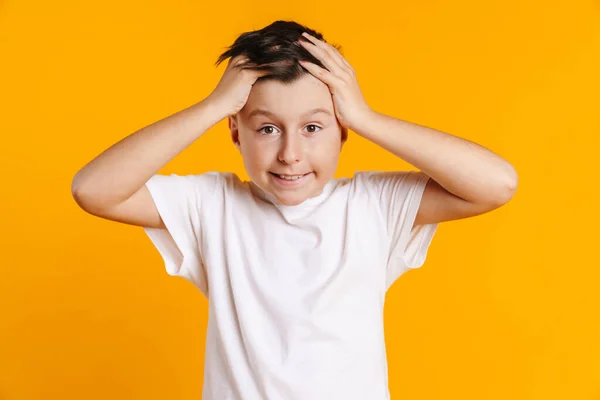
x=316 y=126
x=261 y=130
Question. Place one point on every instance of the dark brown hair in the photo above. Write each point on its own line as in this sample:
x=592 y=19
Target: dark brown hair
x=275 y=44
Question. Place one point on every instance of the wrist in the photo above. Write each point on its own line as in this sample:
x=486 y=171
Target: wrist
x=364 y=121
x=213 y=109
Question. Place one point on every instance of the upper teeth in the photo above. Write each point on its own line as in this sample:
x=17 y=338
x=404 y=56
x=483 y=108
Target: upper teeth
x=290 y=177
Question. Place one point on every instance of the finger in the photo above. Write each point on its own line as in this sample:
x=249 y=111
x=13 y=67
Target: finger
x=313 y=46
x=337 y=55
x=320 y=73
x=237 y=61
x=342 y=58
x=327 y=52
x=260 y=70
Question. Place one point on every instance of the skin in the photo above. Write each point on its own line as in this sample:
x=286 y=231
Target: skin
x=286 y=142
x=466 y=178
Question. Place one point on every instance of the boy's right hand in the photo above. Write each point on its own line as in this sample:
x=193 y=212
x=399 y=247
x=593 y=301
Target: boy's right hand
x=233 y=89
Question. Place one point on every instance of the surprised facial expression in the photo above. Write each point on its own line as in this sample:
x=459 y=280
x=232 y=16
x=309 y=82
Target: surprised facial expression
x=289 y=138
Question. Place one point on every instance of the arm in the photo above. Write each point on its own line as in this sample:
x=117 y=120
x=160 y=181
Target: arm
x=112 y=184
x=466 y=179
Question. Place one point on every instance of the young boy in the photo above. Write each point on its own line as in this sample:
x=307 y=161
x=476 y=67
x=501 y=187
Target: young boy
x=295 y=263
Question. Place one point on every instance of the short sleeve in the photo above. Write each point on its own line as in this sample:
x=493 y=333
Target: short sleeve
x=398 y=196
x=181 y=201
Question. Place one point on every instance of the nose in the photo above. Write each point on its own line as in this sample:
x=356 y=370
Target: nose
x=291 y=149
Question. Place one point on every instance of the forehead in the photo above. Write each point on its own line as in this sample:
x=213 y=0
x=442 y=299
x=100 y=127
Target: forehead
x=289 y=99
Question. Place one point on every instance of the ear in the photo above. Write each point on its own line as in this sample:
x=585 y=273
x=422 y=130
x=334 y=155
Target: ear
x=233 y=128
x=344 y=137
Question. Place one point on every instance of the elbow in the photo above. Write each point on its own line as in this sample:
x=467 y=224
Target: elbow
x=506 y=188
x=80 y=199
x=76 y=185
x=512 y=182
x=86 y=200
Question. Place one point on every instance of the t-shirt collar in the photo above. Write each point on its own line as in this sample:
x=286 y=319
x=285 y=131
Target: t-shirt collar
x=311 y=201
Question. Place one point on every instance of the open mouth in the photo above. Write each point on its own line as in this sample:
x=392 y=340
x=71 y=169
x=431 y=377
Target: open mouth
x=289 y=179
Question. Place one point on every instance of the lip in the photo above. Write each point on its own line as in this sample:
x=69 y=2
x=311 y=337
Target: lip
x=285 y=182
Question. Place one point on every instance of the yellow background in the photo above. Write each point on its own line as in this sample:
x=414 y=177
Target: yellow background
x=507 y=304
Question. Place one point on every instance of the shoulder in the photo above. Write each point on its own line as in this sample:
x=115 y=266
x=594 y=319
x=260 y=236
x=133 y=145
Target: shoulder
x=210 y=178
x=201 y=185
x=381 y=181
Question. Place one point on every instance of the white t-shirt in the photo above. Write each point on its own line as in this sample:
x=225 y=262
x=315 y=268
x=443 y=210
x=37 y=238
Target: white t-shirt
x=296 y=293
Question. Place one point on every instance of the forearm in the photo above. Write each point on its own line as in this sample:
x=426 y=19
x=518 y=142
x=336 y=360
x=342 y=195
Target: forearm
x=462 y=167
x=119 y=171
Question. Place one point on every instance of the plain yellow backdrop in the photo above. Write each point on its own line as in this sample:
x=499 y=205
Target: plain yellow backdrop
x=507 y=303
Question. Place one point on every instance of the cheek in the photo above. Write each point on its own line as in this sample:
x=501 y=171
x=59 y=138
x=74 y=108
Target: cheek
x=256 y=155
x=326 y=150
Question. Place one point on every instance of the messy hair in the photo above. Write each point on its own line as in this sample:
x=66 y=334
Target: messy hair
x=273 y=49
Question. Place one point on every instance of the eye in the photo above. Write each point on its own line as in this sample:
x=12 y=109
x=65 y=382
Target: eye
x=261 y=130
x=265 y=127
x=316 y=126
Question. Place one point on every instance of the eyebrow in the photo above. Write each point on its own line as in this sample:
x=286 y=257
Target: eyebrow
x=260 y=111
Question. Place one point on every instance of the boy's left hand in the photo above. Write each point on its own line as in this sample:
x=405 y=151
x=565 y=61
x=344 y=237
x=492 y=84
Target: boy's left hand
x=350 y=106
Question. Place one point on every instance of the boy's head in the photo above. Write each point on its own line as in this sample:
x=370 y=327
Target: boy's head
x=276 y=132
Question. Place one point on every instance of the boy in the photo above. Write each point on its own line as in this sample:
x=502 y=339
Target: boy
x=295 y=264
